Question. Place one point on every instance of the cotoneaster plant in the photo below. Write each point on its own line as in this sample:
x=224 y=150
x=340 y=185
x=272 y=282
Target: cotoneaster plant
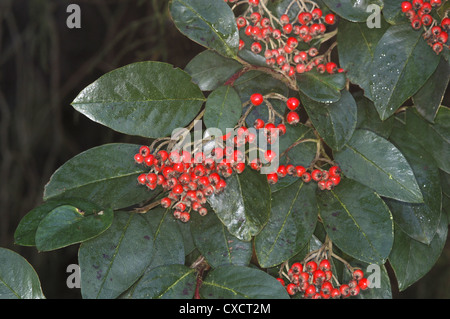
x=321 y=159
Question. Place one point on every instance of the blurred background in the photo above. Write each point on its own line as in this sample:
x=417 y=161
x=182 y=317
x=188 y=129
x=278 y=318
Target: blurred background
x=43 y=66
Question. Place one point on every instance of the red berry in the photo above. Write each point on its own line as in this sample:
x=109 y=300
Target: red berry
x=152 y=178
x=185 y=216
x=306 y=177
x=358 y=274
x=300 y=170
x=310 y=291
x=284 y=19
x=253 y=2
x=438 y=47
x=293 y=118
x=292 y=103
x=272 y=178
x=330 y=18
x=142 y=179
x=282 y=128
x=318 y=276
x=354 y=291
x=445 y=24
x=435 y=3
x=256 y=99
x=345 y=290
x=316 y=175
x=149 y=160
x=166 y=202
x=270 y=155
x=297 y=268
x=311 y=266
x=256 y=47
x=416 y=23
x=443 y=37
x=406 y=6
x=325 y=265
x=363 y=283
x=316 y=13
x=281 y=281
x=291 y=289
x=281 y=171
x=138 y=158
x=334 y=170
x=331 y=67
x=335 y=293
x=417 y=4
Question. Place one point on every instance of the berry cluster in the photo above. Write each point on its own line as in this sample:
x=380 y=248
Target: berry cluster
x=189 y=179
x=326 y=179
x=314 y=281
x=279 y=38
x=419 y=12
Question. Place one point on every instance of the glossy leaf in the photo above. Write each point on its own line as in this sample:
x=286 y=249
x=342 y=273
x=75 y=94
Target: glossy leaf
x=18 y=279
x=67 y=225
x=167 y=238
x=397 y=70
x=223 y=109
x=392 y=12
x=244 y=205
x=428 y=99
x=411 y=259
x=216 y=244
x=324 y=88
x=357 y=44
x=113 y=261
x=335 y=121
x=377 y=163
x=209 y=70
x=368 y=118
x=26 y=230
x=291 y=224
x=353 y=10
x=210 y=23
x=166 y=282
x=357 y=221
x=106 y=175
x=419 y=221
x=239 y=282
x=435 y=138
x=148 y=99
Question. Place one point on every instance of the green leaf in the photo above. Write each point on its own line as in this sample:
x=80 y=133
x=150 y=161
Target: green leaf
x=324 y=88
x=357 y=44
x=357 y=221
x=166 y=282
x=106 y=175
x=216 y=244
x=352 y=10
x=244 y=205
x=419 y=221
x=368 y=118
x=113 y=261
x=148 y=99
x=210 y=23
x=434 y=138
x=67 y=225
x=411 y=259
x=209 y=70
x=397 y=70
x=375 y=162
x=335 y=122
x=18 y=279
x=167 y=238
x=428 y=99
x=239 y=282
x=223 y=109
x=392 y=12
x=26 y=230
x=291 y=224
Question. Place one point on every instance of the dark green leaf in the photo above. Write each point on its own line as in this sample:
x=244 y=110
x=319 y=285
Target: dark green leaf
x=18 y=279
x=335 y=121
x=375 y=162
x=368 y=118
x=357 y=44
x=209 y=70
x=357 y=221
x=216 y=244
x=244 y=205
x=353 y=10
x=66 y=225
x=166 y=282
x=324 y=88
x=411 y=259
x=223 y=109
x=106 y=175
x=419 y=221
x=148 y=99
x=113 y=261
x=392 y=12
x=210 y=23
x=239 y=282
x=397 y=70
x=435 y=138
x=167 y=238
x=26 y=230
x=291 y=224
x=428 y=99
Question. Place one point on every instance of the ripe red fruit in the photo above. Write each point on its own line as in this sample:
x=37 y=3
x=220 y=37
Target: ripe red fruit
x=281 y=281
x=292 y=103
x=259 y=124
x=293 y=118
x=334 y=170
x=311 y=266
x=331 y=67
x=166 y=202
x=330 y=18
x=335 y=293
x=324 y=265
x=406 y=6
x=363 y=283
x=358 y=274
x=142 y=179
x=138 y=158
x=256 y=99
x=282 y=128
x=185 y=216
x=316 y=13
x=291 y=289
x=272 y=178
x=445 y=24
x=316 y=175
x=297 y=268
x=306 y=177
x=281 y=171
x=300 y=170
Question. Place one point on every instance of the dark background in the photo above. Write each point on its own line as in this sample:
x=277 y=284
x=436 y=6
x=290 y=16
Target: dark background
x=43 y=66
